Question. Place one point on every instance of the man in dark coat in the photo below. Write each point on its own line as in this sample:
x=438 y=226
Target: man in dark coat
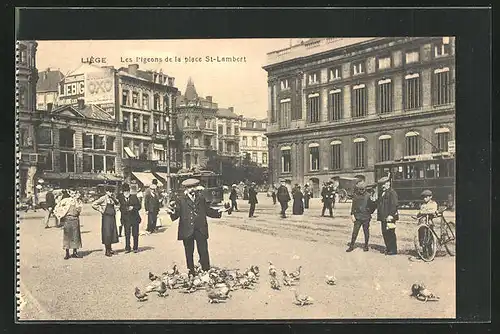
x=361 y=213
x=50 y=203
x=387 y=214
x=192 y=210
x=152 y=207
x=328 y=196
x=252 y=199
x=283 y=197
x=130 y=217
x=307 y=196
x=233 y=196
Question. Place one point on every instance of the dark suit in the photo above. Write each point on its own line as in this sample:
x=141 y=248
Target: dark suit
x=283 y=197
x=328 y=195
x=193 y=227
x=387 y=205
x=233 y=197
x=152 y=206
x=130 y=219
x=252 y=199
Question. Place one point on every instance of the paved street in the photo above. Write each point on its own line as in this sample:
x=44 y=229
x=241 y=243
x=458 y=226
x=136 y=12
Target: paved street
x=370 y=285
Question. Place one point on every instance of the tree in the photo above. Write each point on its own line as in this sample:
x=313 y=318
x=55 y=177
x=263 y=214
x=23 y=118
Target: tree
x=234 y=171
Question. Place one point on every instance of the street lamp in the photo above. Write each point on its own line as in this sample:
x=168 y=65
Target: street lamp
x=167 y=119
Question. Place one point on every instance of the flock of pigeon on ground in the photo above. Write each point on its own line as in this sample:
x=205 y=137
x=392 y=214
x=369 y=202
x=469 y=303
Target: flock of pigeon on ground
x=220 y=282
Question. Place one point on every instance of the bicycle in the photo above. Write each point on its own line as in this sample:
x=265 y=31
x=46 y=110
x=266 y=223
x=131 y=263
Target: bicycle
x=427 y=241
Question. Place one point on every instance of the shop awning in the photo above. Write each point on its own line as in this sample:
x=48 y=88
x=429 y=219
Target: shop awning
x=146 y=178
x=81 y=176
x=129 y=152
x=164 y=176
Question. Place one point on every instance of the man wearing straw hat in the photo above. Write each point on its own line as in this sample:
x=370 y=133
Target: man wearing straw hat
x=192 y=209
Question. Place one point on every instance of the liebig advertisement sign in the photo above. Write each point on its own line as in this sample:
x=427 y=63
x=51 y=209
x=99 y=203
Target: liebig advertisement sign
x=71 y=89
x=99 y=88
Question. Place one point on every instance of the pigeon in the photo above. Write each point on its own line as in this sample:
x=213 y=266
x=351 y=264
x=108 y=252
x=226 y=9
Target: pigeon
x=139 y=295
x=302 y=300
x=331 y=280
x=420 y=292
x=173 y=271
x=251 y=276
x=162 y=291
x=216 y=295
x=287 y=281
x=275 y=284
x=272 y=269
x=152 y=277
x=155 y=285
x=296 y=274
x=255 y=270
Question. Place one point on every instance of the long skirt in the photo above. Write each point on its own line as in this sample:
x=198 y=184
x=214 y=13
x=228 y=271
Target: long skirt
x=298 y=207
x=72 y=237
x=109 y=231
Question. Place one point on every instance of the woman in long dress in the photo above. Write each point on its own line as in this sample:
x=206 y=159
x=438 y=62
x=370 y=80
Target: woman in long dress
x=109 y=232
x=298 y=201
x=68 y=211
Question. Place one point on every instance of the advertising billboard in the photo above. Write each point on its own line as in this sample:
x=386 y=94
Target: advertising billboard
x=99 y=87
x=72 y=88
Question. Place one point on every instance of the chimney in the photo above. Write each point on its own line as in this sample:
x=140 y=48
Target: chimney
x=209 y=98
x=49 y=107
x=132 y=69
x=81 y=104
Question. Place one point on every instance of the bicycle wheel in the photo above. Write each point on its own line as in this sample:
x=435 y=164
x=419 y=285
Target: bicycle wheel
x=450 y=234
x=425 y=243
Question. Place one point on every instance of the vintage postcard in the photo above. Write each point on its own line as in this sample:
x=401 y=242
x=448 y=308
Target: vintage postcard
x=255 y=179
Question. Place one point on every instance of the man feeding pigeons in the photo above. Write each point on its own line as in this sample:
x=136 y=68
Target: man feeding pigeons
x=192 y=210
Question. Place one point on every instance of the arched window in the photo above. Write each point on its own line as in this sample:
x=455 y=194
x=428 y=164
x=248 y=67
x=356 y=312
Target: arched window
x=196 y=141
x=188 y=160
x=384 y=148
x=187 y=142
x=314 y=156
x=336 y=155
x=359 y=152
x=412 y=143
x=442 y=138
x=197 y=122
x=186 y=122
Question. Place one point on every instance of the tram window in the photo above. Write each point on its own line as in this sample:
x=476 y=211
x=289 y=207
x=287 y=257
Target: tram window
x=414 y=172
x=431 y=171
x=397 y=172
x=447 y=168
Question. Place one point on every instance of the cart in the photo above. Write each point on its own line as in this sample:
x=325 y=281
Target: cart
x=345 y=190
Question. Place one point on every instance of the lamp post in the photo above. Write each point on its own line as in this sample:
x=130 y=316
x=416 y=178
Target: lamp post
x=167 y=119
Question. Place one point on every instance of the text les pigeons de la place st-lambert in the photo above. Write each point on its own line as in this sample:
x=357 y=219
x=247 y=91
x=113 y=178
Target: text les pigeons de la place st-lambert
x=185 y=60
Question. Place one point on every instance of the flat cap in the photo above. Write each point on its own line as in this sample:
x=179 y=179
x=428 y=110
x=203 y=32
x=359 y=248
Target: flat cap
x=426 y=192
x=191 y=183
x=361 y=185
x=383 y=180
x=234 y=185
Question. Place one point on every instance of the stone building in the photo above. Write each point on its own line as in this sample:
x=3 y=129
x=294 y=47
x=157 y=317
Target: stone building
x=146 y=109
x=80 y=146
x=340 y=106
x=26 y=77
x=196 y=120
x=47 y=89
x=254 y=141
x=228 y=134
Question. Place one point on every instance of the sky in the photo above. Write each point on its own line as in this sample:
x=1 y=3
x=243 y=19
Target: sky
x=241 y=85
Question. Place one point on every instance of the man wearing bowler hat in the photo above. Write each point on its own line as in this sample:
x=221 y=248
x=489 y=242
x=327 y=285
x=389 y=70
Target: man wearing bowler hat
x=130 y=218
x=192 y=210
x=387 y=214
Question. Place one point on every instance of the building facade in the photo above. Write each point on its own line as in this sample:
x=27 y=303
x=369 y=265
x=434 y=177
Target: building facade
x=196 y=120
x=47 y=89
x=253 y=142
x=146 y=109
x=228 y=134
x=80 y=146
x=339 y=106
x=26 y=76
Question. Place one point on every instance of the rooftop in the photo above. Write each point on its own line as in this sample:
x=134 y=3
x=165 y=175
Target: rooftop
x=89 y=111
x=48 y=80
x=312 y=46
x=226 y=113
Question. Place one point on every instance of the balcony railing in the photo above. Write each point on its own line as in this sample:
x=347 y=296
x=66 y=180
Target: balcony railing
x=231 y=137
